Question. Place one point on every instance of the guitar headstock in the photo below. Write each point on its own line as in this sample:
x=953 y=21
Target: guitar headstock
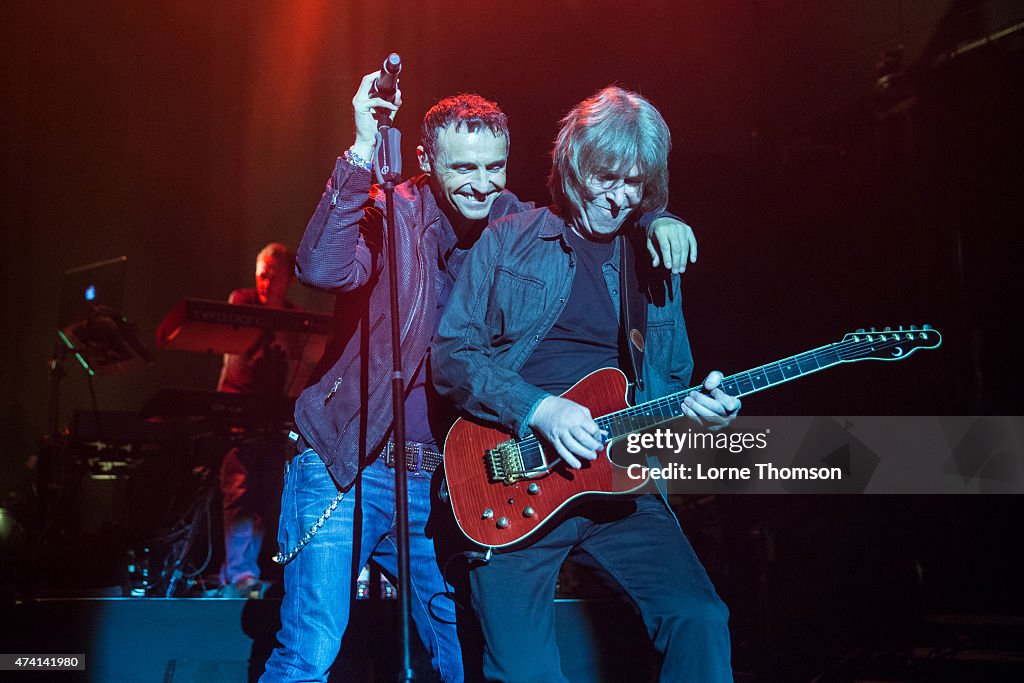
x=887 y=344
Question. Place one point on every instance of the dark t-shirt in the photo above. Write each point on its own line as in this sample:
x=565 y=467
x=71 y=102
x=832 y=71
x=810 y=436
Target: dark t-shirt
x=585 y=337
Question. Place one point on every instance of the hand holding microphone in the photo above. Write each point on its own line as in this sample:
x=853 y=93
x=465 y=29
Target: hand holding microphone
x=377 y=90
x=386 y=85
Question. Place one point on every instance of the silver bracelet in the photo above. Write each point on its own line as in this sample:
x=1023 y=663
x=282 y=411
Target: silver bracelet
x=351 y=157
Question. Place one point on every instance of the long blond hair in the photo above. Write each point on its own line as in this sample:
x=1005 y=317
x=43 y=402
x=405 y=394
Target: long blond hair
x=610 y=132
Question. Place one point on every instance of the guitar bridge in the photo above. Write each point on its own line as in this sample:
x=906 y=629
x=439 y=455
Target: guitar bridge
x=504 y=463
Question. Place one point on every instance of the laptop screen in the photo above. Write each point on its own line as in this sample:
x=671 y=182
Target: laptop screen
x=94 y=284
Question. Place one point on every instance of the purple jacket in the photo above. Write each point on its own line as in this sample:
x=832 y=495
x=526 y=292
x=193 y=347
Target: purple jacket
x=344 y=414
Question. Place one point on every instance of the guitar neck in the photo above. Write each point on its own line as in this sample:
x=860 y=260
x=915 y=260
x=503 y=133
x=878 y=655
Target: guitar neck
x=740 y=384
x=743 y=383
x=887 y=345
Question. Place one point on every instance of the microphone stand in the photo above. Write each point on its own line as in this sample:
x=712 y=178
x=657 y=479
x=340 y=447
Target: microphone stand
x=387 y=164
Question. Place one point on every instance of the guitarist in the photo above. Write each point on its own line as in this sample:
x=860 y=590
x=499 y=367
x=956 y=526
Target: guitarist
x=546 y=297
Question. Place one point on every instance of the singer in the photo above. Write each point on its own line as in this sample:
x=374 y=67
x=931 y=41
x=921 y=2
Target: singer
x=343 y=473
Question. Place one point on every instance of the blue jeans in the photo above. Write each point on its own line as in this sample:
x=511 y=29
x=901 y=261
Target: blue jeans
x=640 y=545
x=319 y=581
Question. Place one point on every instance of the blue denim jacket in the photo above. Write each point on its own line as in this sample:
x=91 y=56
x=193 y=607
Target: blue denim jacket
x=511 y=290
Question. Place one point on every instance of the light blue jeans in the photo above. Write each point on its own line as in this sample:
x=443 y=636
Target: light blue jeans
x=319 y=582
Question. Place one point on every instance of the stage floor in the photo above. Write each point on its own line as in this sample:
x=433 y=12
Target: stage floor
x=224 y=640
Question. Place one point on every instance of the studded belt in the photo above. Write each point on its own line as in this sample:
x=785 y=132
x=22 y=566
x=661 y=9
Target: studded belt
x=417 y=458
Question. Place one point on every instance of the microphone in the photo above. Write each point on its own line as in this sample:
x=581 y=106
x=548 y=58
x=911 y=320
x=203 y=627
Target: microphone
x=388 y=153
x=386 y=84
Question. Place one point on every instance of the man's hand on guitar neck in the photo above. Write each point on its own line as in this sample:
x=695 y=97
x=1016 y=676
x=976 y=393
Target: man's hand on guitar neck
x=711 y=406
x=569 y=428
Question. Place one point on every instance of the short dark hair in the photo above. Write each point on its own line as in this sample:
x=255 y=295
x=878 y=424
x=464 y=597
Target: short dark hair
x=610 y=131
x=469 y=110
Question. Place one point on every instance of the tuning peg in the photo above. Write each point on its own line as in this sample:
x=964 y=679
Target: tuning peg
x=872 y=329
x=887 y=329
x=926 y=327
x=901 y=328
x=860 y=330
x=913 y=328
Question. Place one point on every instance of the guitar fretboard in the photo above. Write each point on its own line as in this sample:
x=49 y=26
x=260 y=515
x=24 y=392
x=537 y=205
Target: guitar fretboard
x=741 y=384
x=854 y=347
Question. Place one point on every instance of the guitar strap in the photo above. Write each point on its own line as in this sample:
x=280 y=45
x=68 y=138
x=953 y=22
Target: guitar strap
x=632 y=308
x=633 y=272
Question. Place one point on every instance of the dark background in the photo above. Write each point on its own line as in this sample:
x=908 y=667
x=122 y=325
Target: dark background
x=187 y=135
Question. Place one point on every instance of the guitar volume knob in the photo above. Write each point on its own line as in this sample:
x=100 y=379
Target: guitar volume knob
x=503 y=522
x=533 y=489
x=529 y=511
x=487 y=514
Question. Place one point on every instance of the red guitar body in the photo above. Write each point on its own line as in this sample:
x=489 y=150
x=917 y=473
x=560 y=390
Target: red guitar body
x=496 y=514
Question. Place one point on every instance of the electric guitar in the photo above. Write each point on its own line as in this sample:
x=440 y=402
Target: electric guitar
x=503 y=491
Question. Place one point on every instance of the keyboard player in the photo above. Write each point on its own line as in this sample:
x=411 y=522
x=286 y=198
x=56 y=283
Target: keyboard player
x=250 y=474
